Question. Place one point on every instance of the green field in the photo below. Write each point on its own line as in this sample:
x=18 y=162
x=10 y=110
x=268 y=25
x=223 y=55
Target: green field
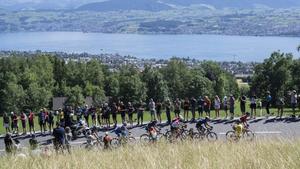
x=287 y=112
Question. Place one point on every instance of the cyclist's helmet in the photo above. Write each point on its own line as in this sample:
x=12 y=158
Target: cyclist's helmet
x=248 y=114
x=106 y=133
x=124 y=124
x=207 y=118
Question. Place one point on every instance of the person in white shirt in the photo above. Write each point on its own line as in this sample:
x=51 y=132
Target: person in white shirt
x=217 y=106
x=294 y=102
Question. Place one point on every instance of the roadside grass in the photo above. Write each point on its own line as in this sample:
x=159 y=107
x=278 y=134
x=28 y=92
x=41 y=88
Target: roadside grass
x=147 y=117
x=259 y=154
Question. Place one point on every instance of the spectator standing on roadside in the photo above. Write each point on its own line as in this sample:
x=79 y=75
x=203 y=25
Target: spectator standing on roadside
x=225 y=106
x=231 y=105
x=200 y=103
x=168 y=110
x=122 y=110
x=31 y=122
x=217 y=106
x=6 y=122
x=193 y=108
x=158 y=110
x=207 y=106
x=268 y=103
x=140 y=112
x=243 y=101
x=78 y=113
x=294 y=101
x=152 y=110
x=177 y=107
x=50 y=121
x=15 y=123
x=114 y=111
x=186 y=107
x=130 y=113
x=253 y=106
x=86 y=114
x=280 y=106
x=23 y=118
x=42 y=121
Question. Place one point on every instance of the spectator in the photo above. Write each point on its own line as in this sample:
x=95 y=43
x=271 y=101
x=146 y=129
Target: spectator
x=6 y=122
x=243 y=101
x=59 y=137
x=168 y=110
x=92 y=111
x=86 y=114
x=130 y=113
x=122 y=110
x=217 y=106
x=207 y=106
x=253 y=106
x=152 y=110
x=10 y=146
x=294 y=102
x=231 y=106
x=280 y=106
x=23 y=118
x=15 y=123
x=193 y=108
x=106 y=115
x=31 y=122
x=158 y=110
x=78 y=113
x=140 y=112
x=177 y=106
x=114 y=110
x=186 y=107
x=42 y=121
x=225 y=106
x=200 y=106
x=50 y=121
x=268 y=103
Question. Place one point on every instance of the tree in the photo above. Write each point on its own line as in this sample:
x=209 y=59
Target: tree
x=155 y=83
x=75 y=97
x=272 y=75
x=132 y=88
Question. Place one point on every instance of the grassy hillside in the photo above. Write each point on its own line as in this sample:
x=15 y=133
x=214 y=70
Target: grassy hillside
x=255 y=155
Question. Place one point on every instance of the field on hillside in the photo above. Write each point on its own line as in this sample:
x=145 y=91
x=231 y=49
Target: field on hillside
x=260 y=154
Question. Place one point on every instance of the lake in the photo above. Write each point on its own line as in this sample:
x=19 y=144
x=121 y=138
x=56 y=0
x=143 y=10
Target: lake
x=202 y=47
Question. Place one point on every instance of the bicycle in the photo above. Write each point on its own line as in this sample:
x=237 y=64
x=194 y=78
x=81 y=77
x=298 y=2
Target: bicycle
x=246 y=134
x=123 y=140
x=205 y=133
x=148 y=137
x=173 y=135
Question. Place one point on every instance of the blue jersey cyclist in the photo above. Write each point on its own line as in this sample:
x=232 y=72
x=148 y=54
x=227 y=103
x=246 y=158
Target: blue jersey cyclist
x=202 y=124
x=122 y=131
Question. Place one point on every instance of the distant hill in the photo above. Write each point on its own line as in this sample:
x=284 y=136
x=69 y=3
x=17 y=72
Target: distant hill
x=238 y=3
x=115 y=5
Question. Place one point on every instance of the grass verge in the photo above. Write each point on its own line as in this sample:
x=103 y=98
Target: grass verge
x=269 y=154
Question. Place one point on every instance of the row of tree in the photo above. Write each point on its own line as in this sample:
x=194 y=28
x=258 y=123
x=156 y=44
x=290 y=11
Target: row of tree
x=279 y=74
x=31 y=82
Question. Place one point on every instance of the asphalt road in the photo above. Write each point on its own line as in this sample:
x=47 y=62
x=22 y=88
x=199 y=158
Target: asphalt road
x=262 y=127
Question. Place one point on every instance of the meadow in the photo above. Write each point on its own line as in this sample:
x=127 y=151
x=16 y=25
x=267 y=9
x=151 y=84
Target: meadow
x=259 y=154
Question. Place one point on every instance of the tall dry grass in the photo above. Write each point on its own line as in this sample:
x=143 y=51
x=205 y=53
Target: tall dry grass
x=260 y=154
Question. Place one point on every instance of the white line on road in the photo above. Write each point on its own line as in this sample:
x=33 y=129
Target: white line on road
x=261 y=132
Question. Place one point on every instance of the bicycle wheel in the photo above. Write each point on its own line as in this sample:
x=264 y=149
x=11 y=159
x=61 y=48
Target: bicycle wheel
x=131 y=140
x=168 y=136
x=248 y=135
x=230 y=136
x=184 y=135
x=115 y=143
x=212 y=136
x=145 y=138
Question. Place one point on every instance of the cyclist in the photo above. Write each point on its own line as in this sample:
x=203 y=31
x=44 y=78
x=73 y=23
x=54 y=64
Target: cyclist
x=203 y=125
x=244 y=119
x=59 y=137
x=176 y=124
x=152 y=129
x=107 y=140
x=238 y=127
x=122 y=131
x=10 y=145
